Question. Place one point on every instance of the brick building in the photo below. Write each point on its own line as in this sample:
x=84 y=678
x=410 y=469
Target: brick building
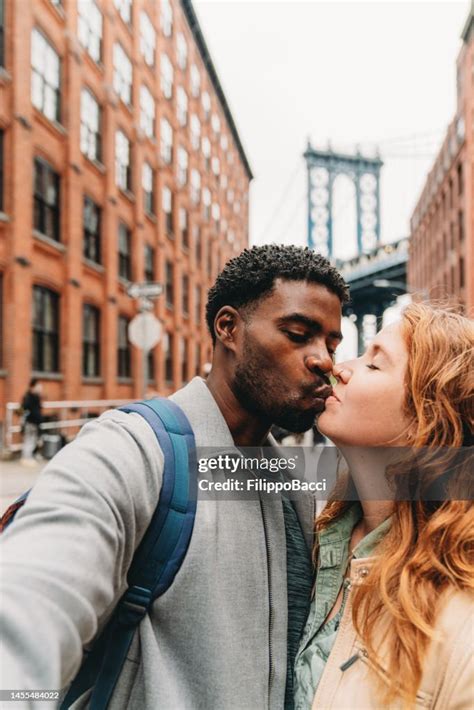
x=120 y=161
x=441 y=259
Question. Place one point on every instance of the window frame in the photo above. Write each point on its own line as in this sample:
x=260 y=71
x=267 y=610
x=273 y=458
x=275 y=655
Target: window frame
x=124 y=351
x=41 y=206
x=87 y=126
x=44 y=83
x=124 y=255
x=91 y=345
x=92 y=239
x=41 y=333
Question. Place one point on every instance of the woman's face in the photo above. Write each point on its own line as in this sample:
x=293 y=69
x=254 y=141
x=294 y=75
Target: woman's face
x=367 y=406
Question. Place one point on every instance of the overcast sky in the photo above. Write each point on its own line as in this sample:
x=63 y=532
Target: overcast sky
x=349 y=72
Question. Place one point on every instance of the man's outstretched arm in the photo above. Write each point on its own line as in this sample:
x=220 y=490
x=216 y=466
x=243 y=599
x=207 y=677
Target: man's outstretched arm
x=65 y=558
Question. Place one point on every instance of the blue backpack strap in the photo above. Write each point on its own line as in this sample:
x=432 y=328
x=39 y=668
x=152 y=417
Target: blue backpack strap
x=157 y=558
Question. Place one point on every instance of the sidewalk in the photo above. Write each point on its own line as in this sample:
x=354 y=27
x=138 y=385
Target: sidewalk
x=15 y=479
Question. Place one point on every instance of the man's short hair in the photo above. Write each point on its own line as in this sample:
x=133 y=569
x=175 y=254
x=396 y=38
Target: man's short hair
x=33 y=382
x=249 y=277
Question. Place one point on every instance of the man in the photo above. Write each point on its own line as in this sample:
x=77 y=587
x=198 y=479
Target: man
x=31 y=405
x=218 y=637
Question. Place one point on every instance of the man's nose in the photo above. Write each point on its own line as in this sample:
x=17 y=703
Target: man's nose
x=320 y=361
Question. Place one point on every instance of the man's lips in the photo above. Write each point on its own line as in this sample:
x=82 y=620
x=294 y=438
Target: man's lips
x=321 y=393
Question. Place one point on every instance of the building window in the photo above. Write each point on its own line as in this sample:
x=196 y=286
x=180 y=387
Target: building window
x=124 y=358
x=166 y=18
x=90 y=341
x=182 y=167
x=216 y=166
x=148 y=184
x=167 y=197
x=89 y=28
x=195 y=186
x=169 y=284
x=460 y=179
x=122 y=74
x=149 y=263
x=147 y=39
x=147 y=112
x=206 y=151
x=185 y=295
x=124 y=251
x=184 y=227
x=90 y=125
x=224 y=142
x=184 y=359
x=215 y=123
x=206 y=104
x=181 y=106
x=166 y=142
x=168 y=352
x=1 y=170
x=166 y=76
x=122 y=161
x=197 y=242
x=461 y=225
x=195 y=126
x=206 y=200
x=2 y=26
x=195 y=81
x=198 y=359
x=91 y=220
x=181 y=51
x=461 y=272
x=124 y=8
x=198 y=304
x=45 y=76
x=46 y=200
x=45 y=330
x=216 y=215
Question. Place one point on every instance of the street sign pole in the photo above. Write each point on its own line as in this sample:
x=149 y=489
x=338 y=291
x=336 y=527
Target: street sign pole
x=145 y=330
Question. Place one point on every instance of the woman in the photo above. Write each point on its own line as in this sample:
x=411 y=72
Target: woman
x=391 y=623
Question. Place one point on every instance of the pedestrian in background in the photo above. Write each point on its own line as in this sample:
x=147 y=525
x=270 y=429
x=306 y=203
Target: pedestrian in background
x=32 y=418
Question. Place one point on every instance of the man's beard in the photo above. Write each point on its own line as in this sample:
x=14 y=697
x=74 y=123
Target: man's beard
x=261 y=393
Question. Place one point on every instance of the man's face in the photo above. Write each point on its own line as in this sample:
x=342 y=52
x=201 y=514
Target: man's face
x=285 y=354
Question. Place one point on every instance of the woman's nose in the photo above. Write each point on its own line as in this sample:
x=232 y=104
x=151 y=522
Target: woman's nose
x=342 y=372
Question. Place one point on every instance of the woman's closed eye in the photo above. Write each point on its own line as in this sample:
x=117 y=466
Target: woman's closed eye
x=372 y=367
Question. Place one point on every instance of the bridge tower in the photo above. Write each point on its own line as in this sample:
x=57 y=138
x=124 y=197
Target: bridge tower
x=323 y=167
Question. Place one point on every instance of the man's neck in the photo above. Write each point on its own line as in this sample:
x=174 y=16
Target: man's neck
x=246 y=428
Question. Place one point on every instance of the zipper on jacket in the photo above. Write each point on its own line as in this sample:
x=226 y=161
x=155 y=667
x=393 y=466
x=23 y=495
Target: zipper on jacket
x=270 y=602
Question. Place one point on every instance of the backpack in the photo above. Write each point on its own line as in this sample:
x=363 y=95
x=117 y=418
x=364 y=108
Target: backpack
x=157 y=558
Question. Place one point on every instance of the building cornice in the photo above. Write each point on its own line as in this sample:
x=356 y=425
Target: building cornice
x=195 y=28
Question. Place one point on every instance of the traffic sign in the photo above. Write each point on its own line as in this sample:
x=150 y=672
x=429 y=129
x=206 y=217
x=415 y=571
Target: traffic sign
x=147 y=289
x=145 y=331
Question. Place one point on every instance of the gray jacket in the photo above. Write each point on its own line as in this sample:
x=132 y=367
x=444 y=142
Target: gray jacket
x=215 y=639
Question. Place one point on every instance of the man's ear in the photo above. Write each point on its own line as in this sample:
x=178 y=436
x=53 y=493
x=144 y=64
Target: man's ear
x=227 y=324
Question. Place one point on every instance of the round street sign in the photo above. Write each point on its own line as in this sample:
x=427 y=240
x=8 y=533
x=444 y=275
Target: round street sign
x=145 y=331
